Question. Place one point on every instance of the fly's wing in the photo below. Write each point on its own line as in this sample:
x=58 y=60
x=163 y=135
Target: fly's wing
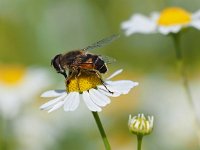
x=107 y=59
x=102 y=42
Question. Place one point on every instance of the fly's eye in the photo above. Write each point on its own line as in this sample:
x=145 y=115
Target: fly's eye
x=55 y=62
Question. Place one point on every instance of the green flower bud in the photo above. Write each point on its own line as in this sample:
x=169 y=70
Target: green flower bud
x=139 y=125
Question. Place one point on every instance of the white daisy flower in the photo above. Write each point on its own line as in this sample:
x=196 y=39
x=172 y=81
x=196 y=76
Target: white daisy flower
x=170 y=20
x=18 y=85
x=89 y=88
x=139 y=125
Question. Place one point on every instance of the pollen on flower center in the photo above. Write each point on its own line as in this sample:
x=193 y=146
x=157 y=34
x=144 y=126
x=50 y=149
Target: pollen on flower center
x=174 y=16
x=83 y=82
x=11 y=74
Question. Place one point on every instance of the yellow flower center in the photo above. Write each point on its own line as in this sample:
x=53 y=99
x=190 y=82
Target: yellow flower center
x=83 y=82
x=174 y=16
x=11 y=74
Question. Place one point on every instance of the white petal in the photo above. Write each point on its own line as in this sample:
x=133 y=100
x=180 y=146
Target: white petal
x=115 y=74
x=139 y=24
x=128 y=83
x=151 y=122
x=122 y=86
x=196 y=20
x=53 y=93
x=90 y=104
x=57 y=106
x=103 y=90
x=195 y=24
x=52 y=102
x=169 y=29
x=196 y=15
x=71 y=101
x=98 y=98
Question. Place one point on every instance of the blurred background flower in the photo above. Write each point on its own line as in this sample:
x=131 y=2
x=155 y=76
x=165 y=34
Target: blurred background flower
x=19 y=86
x=169 y=20
x=33 y=32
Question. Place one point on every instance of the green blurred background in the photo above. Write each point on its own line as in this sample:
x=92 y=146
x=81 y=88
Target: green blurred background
x=34 y=31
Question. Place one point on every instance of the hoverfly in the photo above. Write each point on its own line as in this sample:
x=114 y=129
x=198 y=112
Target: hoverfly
x=77 y=60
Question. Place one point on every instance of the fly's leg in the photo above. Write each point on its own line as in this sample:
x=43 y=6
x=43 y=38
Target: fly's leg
x=64 y=74
x=103 y=82
x=74 y=74
x=76 y=77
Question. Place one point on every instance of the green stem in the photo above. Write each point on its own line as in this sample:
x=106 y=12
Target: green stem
x=139 y=140
x=3 y=138
x=176 y=39
x=181 y=68
x=101 y=130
